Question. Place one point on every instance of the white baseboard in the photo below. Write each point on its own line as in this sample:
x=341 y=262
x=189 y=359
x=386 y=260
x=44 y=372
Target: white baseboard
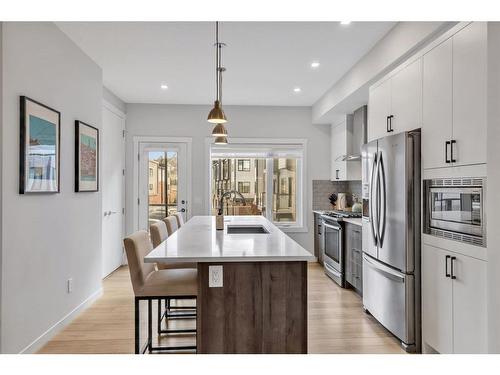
x=56 y=328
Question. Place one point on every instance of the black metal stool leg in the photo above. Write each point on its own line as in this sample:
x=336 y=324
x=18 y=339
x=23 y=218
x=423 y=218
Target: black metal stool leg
x=150 y=326
x=159 y=317
x=137 y=326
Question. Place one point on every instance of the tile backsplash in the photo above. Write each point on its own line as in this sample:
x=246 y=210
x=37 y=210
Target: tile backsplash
x=323 y=188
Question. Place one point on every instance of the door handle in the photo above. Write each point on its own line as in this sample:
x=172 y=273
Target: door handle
x=453 y=259
x=446 y=273
x=337 y=174
x=372 y=202
x=446 y=144
x=390 y=123
x=451 y=144
x=383 y=204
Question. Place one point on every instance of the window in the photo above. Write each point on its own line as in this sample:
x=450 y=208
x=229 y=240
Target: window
x=150 y=186
x=150 y=172
x=244 y=187
x=268 y=176
x=244 y=165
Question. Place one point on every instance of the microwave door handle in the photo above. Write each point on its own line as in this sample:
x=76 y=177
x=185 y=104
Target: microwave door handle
x=372 y=200
x=383 y=202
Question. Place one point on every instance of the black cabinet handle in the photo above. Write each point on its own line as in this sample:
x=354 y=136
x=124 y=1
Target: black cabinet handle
x=390 y=123
x=453 y=259
x=337 y=174
x=446 y=144
x=319 y=229
x=447 y=274
x=452 y=143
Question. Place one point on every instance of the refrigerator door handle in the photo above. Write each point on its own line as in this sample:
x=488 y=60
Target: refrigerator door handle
x=384 y=269
x=383 y=202
x=372 y=200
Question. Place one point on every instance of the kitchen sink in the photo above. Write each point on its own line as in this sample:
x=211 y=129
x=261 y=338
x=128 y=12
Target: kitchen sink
x=246 y=229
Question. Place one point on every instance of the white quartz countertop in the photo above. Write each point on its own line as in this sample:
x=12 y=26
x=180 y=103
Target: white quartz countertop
x=198 y=241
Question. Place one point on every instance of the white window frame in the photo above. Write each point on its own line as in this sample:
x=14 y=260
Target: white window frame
x=300 y=226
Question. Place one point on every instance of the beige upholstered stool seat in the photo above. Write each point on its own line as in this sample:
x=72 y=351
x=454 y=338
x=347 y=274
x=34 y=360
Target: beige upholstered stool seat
x=172 y=283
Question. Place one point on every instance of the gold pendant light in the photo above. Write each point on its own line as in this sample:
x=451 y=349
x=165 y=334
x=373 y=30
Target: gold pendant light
x=221 y=141
x=219 y=131
x=216 y=115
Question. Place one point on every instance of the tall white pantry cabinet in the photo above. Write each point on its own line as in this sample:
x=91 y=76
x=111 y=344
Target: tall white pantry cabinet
x=443 y=90
x=454 y=276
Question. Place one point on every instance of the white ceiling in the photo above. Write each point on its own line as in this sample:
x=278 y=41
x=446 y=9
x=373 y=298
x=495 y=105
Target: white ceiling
x=264 y=60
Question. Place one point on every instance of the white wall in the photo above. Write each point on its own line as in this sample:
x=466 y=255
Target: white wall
x=351 y=91
x=244 y=121
x=493 y=199
x=111 y=98
x=47 y=238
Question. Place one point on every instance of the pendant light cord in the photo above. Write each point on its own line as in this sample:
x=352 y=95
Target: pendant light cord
x=217 y=72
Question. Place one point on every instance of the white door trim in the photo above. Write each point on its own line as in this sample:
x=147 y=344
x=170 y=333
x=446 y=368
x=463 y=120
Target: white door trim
x=148 y=139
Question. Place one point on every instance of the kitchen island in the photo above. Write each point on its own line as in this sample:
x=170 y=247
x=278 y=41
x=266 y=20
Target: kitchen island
x=252 y=284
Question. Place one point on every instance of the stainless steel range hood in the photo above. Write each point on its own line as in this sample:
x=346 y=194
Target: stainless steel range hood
x=358 y=127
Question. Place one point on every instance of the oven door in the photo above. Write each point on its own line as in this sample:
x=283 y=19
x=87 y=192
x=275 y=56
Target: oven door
x=332 y=246
x=456 y=209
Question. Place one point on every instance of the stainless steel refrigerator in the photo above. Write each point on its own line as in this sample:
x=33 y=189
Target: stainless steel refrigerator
x=391 y=235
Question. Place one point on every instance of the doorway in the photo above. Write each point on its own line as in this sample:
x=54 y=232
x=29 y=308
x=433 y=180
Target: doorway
x=113 y=188
x=163 y=181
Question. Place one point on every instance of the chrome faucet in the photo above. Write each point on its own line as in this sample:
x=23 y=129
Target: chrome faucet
x=229 y=193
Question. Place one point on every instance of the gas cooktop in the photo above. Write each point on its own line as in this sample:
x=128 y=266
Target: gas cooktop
x=341 y=214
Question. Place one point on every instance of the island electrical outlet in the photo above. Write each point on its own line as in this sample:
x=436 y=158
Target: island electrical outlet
x=215 y=276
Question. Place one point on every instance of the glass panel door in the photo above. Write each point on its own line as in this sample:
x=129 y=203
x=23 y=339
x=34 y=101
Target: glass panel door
x=162 y=182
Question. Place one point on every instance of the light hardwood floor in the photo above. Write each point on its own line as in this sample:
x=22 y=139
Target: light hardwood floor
x=336 y=321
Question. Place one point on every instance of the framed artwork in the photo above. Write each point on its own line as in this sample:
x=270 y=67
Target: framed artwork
x=86 y=157
x=39 y=151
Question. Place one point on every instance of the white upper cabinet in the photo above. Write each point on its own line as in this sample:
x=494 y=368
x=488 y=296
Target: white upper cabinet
x=454 y=100
x=395 y=105
x=469 y=94
x=406 y=98
x=379 y=108
x=341 y=141
x=437 y=105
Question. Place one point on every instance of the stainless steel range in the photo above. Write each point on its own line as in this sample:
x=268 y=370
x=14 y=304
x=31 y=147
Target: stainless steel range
x=333 y=244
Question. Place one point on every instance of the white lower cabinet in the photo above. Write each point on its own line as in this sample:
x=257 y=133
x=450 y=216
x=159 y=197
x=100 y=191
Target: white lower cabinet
x=453 y=301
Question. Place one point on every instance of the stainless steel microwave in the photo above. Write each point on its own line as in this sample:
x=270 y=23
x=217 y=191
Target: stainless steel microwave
x=455 y=209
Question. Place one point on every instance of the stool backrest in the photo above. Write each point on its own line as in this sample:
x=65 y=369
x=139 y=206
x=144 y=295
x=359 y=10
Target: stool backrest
x=171 y=222
x=158 y=232
x=180 y=219
x=137 y=246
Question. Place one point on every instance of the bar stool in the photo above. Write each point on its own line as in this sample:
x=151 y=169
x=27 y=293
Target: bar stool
x=158 y=232
x=171 y=223
x=151 y=285
x=180 y=219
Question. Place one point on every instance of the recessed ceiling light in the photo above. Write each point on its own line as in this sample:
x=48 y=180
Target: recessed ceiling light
x=345 y=22
x=315 y=64
x=164 y=87
x=297 y=89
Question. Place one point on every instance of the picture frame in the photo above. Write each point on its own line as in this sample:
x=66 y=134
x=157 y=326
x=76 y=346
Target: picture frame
x=39 y=148
x=86 y=157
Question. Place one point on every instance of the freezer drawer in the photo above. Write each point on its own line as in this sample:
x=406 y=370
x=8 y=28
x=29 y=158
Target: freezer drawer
x=389 y=296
